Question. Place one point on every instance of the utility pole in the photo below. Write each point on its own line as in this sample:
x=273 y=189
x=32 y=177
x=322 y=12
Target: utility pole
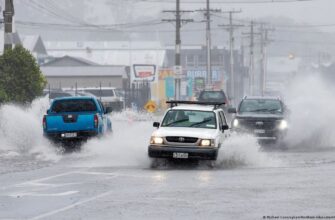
x=208 y=45
x=262 y=76
x=8 y=20
x=251 y=64
x=231 y=27
x=179 y=22
x=264 y=42
x=252 y=34
x=207 y=13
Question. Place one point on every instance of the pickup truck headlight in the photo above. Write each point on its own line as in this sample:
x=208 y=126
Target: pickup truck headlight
x=156 y=140
x=283 y=125
x=207 y=143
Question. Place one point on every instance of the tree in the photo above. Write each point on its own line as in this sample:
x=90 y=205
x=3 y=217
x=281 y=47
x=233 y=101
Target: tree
x=21 y=79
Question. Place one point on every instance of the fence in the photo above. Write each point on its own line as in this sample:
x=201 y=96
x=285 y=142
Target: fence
x=137 y=95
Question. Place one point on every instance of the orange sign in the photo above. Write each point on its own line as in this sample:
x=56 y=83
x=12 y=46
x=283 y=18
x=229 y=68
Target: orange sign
x=163 y=73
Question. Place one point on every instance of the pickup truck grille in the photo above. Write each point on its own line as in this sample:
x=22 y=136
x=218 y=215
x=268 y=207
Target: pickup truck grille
x=259 y=124
x=187 y=140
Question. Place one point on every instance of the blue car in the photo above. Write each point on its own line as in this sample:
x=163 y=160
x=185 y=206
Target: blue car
x=76 y=119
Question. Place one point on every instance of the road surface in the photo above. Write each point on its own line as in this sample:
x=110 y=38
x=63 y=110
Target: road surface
x=111 y=178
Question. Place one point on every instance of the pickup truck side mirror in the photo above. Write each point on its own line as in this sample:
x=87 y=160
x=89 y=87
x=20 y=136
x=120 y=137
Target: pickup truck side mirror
x=108 y=110
x=232 y=110
x=156 y=124
x=224 y=127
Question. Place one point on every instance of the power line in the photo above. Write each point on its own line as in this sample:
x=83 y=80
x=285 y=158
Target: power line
x=231 y=27
x=230 y=2
x=207 y=13
x=178 y=21
x=84 y=27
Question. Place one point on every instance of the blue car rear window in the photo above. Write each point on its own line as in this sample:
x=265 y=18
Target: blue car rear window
x=78 y=105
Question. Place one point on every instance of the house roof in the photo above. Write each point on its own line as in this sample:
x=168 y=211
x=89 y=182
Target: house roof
x=71 y=61
x=33 y=43
x=72 y=71
x=111 y=53
x=103 y=45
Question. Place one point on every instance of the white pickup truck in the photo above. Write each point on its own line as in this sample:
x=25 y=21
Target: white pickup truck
x=189 y=130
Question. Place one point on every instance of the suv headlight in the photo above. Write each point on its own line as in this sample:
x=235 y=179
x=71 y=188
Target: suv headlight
x=283 y=125
x=207 y=143
x=235 y=122
x=156 y=140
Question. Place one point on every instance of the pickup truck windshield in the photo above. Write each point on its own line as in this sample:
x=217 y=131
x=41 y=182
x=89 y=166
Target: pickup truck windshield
x=190 y=119
x=77 y=105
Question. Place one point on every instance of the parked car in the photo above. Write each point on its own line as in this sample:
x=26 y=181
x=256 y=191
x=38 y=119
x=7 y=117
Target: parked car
x=216 y=96
x=189 y=130
x=213 y=96
x=109 y=96
x=56 y=93
x=75 y=119
x=264 y=117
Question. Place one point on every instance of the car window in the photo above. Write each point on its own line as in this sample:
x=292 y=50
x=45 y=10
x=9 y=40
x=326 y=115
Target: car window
x=223 y=118
x=220 y=121
x=261 y=106
x=190 y=118
x=75 y=105
x=101 y=106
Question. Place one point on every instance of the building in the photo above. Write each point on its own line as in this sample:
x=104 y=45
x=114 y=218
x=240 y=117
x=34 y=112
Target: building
x=35 y=45
x=71 y=72
x=194 y=66
x=124 y=53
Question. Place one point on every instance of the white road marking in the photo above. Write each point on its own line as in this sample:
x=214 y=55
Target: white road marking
x=43 y=194
x=71 y=206
x=35 y=181
x=46 y=178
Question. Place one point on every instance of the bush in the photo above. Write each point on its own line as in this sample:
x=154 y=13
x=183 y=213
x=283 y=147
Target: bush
x=21 y=79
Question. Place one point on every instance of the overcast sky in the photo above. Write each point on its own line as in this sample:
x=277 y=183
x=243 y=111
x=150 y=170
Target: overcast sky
x=312 y=12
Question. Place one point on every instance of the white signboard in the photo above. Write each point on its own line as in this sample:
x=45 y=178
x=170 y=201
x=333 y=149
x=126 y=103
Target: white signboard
x=183 y=88
x=178 y=70
x=144 y=72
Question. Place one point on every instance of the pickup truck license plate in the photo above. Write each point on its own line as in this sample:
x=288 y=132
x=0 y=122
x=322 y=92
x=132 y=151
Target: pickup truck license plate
x=70 y=135
x=180 y=155
x=259 y=131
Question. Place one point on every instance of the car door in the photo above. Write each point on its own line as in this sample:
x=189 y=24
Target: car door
x=224 y=134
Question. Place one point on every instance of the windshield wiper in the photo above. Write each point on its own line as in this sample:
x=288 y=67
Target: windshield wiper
x=265 y=110
x=176 y=122
x=259 y=110
x=274 y=109
x=199 y=123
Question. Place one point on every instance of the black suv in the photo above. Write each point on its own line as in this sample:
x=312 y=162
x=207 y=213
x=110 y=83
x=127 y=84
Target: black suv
x=213 y=96
x=264 y=117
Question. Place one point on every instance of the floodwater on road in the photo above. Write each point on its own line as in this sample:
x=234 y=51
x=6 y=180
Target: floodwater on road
x=111 y=178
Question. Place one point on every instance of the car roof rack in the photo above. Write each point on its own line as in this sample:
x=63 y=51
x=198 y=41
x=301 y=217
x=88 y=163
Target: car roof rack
x=175 y=103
